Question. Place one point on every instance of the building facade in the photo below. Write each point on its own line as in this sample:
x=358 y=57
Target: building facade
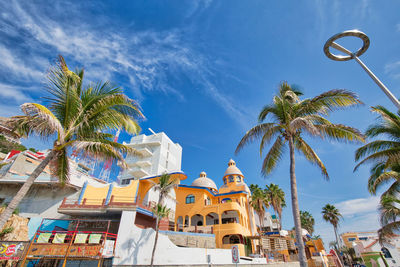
x=160 y=155
x=366 y=245
x=224 y=212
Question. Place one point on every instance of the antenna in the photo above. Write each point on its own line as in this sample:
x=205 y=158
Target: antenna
x=152 y=131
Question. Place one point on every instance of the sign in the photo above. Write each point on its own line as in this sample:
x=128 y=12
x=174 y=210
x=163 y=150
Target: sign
x=12 y=250
x=108 y=250
x=48 y=250
x=84 y=250
x=235 y=254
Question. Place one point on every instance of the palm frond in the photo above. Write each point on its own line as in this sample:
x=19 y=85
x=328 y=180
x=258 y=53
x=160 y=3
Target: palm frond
x=329 y=101
x=311 y=156
x=383 y=179
x=40 y=120
x=340 y=132
x=375 y=146
x=273 y=156
x=391 y=155
x=255 y=133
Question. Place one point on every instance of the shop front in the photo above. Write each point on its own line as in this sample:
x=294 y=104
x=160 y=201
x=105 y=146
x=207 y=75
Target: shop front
x=80 y=243
x=11 y=252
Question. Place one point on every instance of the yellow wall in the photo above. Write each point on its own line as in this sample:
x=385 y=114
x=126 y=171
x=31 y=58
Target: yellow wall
x=126 y=193
x=346 y=237
x=95 y=195
x=239 y=204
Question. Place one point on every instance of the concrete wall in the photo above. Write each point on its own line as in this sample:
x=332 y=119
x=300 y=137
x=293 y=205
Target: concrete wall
x=134 y=247
x=41 y=200
x=194 y=240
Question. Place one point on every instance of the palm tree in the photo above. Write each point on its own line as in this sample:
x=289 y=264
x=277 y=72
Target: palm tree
x=164 y=186
x=384 y=154
x=160 y=212
x=259 y=202
x=277 y=197
x=76 y=116
x=307 y=221
x=389 y=217
x=290 y=119
x=332 y=215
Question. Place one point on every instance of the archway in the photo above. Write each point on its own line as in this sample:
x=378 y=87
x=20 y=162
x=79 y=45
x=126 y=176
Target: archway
x=230 y=216
x=212 y=218
x=196 y=220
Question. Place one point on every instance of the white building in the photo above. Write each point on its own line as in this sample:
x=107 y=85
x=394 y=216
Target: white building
x=160 y=155
x=270 y=222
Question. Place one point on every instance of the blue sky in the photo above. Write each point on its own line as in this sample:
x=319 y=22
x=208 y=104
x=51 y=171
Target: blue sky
x=202 y=70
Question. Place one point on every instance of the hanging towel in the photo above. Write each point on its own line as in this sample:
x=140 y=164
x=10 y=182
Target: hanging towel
x=59 y=238
x=94 y=238
x=80 y=238
x=43 y=238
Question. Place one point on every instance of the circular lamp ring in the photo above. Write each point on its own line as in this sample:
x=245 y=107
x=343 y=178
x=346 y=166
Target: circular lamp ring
x=354 y=33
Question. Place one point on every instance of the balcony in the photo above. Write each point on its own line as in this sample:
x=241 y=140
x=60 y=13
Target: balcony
x=145 y=152
x=138 y=172
x=71 y=206
x=142 y=163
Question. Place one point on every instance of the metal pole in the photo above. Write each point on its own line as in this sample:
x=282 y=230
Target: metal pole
x=389 y=94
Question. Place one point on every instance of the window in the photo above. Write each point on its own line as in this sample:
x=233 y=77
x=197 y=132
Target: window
x=352 y=239
x=207 y=201
x=225 y=200
x=231 y=178
x=225 y=180
x=238 y=179
x=189 y=199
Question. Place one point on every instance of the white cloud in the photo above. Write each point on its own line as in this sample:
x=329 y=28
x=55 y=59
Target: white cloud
x=393 y=69
x=16 y=93
x=16 y=67
x=143 y=60
x=354 y=207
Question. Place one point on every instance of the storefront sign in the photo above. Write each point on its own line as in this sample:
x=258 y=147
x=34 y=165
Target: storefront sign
x=84 y=250
x=108 y=250
x=48 y=250
x=12 y=250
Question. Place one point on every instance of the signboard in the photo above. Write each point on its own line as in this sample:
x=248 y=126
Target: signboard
x=84 y=250
x=48 y=250
x=59 y=250
x=235 y=254
x=108 y=250
x=12 y=250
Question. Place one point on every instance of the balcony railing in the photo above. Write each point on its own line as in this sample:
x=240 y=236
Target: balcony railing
x=116 y=202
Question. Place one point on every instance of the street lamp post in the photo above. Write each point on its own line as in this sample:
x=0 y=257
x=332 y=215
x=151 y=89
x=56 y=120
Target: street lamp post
x=354 y=55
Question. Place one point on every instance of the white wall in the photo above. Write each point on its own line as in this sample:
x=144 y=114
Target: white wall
x=134 y=247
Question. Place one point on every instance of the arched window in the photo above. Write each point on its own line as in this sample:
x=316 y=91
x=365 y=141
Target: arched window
x=238 y=179
x=225 y=180
x=386 y=253
x=231 y=178
x=189 y=199
x=207 y=201
x=225 y=200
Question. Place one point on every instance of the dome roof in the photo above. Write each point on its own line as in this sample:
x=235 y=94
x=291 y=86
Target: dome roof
x=232 y=169
x=204 y=181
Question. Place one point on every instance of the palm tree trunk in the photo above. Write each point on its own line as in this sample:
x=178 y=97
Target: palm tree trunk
x=261 y=218
x=155 y=242
x=338 y=246
x=295 y=206
x=24 y=189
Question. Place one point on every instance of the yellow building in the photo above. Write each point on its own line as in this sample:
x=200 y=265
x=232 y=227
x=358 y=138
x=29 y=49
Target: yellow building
x=199 y=207
x=226 y=212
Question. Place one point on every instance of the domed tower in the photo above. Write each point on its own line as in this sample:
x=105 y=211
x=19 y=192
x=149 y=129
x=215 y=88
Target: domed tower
x=233 y=179
x=204 y=181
